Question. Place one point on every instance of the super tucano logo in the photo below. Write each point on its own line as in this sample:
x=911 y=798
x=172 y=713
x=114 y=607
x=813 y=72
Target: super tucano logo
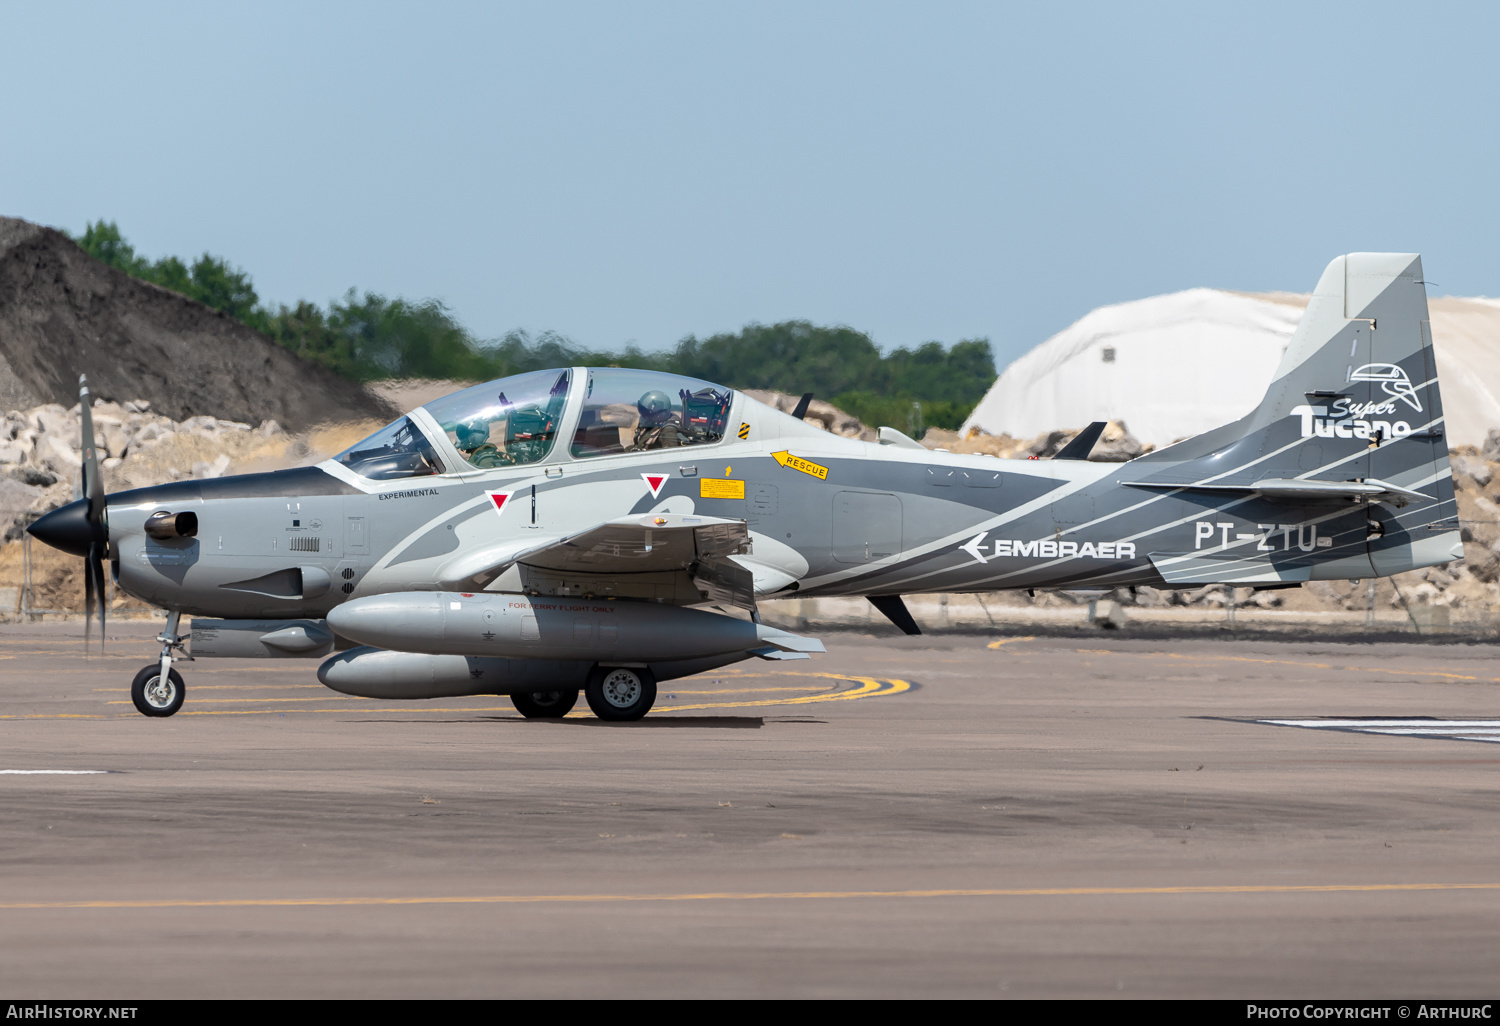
x=1347 y=417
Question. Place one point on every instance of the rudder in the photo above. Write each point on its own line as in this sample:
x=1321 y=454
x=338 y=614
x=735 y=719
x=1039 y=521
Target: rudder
x=1354 y=405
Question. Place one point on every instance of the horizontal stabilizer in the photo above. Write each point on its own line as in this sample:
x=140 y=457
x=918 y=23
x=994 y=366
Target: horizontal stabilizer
x=1375 y=491
x=1303 y=490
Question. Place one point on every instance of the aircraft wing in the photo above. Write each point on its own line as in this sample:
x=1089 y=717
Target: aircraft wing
x=647 y=544
x=651 y=541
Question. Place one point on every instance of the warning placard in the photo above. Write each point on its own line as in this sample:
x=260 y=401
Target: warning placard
x=719 y=488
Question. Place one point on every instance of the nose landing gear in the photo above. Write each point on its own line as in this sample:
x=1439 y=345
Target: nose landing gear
x=158 y=689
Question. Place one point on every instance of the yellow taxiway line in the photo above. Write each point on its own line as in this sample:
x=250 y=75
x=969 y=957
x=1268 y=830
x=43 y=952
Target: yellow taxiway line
x=1010 y=641
x=868 y=687
x=537 y=899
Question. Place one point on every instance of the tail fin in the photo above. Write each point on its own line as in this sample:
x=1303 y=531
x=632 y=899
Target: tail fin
x=1353 y=416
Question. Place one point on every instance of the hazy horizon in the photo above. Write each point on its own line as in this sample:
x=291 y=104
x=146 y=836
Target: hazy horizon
x=636 y=174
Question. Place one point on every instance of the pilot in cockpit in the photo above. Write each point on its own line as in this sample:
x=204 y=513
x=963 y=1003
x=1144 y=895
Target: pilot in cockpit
x=656 y=428
x=473 y=440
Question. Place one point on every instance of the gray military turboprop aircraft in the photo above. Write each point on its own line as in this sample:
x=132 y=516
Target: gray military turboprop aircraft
x=548 y=533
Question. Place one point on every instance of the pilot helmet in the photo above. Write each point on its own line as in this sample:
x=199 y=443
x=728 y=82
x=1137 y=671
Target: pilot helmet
x=655 y=407
x=472 y=434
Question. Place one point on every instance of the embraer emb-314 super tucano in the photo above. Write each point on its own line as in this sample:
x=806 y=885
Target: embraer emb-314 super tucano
x=552 y=532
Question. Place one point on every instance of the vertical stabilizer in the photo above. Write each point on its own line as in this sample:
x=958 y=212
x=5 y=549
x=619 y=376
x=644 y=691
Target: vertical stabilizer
x=1354 y=400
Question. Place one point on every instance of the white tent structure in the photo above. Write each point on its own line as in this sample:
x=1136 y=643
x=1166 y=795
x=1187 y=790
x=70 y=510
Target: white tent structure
x=1177 y=365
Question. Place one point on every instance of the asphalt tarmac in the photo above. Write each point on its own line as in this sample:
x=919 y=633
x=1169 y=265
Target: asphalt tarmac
x=951 y=816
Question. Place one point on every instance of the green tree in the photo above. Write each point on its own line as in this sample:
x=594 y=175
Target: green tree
x=102 y=240
x=169 y=273
x=370 y=337
x=214 y=283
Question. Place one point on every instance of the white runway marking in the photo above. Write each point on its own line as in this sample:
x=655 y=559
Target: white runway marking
x=1412 y=726
x=51 y=772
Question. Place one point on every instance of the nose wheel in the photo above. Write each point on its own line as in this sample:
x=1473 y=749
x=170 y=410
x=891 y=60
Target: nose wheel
x=155 y=695
x=158 y=689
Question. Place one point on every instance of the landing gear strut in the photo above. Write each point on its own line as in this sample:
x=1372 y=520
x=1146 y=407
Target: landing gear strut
x=158 y=689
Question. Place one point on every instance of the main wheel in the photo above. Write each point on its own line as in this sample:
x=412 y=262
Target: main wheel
x=152 y=696
x=620 y=693
x=545 y=705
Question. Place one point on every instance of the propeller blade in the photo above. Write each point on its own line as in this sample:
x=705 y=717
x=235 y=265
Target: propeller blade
x=88 y=601
x=93 y=490
x=95 y=592
x=93 y=480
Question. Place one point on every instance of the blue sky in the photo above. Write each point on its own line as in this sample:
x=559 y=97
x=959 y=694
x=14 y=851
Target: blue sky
x=635 y=172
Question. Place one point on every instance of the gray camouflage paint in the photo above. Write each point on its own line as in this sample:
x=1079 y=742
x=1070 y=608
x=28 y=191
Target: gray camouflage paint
x=886 y=519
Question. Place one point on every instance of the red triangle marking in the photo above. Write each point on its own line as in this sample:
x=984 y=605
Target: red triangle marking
x=655 y=482
x=498 y=498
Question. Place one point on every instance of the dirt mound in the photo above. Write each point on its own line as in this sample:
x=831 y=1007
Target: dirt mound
x=63 y=313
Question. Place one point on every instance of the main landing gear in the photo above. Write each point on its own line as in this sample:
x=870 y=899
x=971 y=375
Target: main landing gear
x=620 y=693
x=545 y=705
x=158 y=689
x=615 y=693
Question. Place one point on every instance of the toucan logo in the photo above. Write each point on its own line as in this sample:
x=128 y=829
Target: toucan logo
x=1392 y=379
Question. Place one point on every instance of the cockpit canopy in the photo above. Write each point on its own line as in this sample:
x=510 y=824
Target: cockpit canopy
x=636 y=410
x=516 y=421
x=398 y=450
x=505 y=423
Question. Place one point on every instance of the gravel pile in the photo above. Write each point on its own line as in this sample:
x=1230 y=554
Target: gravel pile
x=41 y=460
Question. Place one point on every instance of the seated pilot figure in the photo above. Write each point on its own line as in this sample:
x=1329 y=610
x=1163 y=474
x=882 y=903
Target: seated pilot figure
x=655 y=430
x=474 y=442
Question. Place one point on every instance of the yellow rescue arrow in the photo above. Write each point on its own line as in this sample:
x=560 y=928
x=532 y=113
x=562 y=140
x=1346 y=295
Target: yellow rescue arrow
x=786 y=459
